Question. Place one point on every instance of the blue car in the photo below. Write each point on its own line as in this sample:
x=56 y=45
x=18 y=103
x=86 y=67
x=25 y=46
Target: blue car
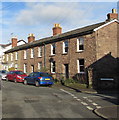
x=39 y=78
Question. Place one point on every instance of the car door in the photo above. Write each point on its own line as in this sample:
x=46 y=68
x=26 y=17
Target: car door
x=35 y=77
x=10 y=75
x=29 y=78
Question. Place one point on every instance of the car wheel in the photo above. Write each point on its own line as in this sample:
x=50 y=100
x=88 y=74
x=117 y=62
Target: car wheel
x=15 y=80
x=50 y=85
x=37 y=83
x=25 y=82
x=7 y=79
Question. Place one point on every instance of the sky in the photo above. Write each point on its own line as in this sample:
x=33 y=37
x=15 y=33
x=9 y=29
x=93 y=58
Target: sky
x=22 y=18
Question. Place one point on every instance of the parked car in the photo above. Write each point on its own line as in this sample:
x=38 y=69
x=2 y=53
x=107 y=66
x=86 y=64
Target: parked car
x=39 y=78
x=16 y=76
x=3 y=74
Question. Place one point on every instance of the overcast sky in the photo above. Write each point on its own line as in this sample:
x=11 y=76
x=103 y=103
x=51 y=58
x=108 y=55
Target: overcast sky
x=21 y=18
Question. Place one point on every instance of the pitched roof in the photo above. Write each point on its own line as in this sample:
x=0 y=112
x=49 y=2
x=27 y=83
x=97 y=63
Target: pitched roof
x=74 y=33
x=5 y=45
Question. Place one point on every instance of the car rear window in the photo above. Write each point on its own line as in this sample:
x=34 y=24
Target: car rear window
x=19 y=72
x=45 y=75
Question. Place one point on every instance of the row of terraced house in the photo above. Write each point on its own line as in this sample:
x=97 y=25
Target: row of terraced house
x=89 y=52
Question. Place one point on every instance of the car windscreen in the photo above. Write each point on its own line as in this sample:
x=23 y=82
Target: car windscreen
x=19 y=72
x=3 y=71
x=45 y=75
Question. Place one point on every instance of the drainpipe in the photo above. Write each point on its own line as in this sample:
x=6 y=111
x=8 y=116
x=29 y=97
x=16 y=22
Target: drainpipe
x=44 y=55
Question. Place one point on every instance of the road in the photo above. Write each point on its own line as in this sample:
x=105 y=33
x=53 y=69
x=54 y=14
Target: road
x=28 y=101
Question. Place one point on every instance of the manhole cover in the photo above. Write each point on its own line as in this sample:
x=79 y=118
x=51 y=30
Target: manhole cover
x=4 y=99
x=31 y=99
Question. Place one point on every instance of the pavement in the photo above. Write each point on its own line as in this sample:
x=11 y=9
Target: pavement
x=108 y=112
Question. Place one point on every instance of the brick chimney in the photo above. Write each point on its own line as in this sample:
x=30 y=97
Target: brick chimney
x=57 y=29
x=112 y=16
x=31 y=38
x=14 y=41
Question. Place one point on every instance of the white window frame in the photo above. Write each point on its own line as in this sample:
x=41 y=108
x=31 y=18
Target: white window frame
x=64 y=52
x=25 y=68
x=32 y=53
x=78 y=44
x=11 y=56
x=16 y=55
x=7 y=57
x=32 y=68
x=25 y=54
x=78 y=66
x=40 y=51
x=39 y=65
x=53 y=66
x=52 y=47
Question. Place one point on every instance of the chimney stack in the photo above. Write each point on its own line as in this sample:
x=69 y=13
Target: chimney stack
x=14 y=41
x=31 y=38
x=57 y=29
x=113 y=15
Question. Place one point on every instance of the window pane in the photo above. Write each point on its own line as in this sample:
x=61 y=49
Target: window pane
x=40 y=51
x=81 y=62
x=81 y=47
x=81 y=68
x=81 y=41
x=66 y=49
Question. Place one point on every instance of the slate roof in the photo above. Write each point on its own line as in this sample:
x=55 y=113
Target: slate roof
x=73 y=33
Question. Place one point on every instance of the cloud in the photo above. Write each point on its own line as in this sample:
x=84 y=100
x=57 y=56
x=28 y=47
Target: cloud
x=44 y=13
x=39 y=17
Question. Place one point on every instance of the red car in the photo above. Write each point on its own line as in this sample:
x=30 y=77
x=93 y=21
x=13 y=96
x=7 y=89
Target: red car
x=16 y=76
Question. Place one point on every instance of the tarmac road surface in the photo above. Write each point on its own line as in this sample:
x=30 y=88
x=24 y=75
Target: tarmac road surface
x=28 y=101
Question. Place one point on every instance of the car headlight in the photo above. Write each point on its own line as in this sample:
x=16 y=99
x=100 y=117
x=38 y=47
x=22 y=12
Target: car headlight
x=19 y=77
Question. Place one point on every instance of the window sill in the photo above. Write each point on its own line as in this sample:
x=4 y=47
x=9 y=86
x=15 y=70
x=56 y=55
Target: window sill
x=39 y=56
x=52 y=55
x=52 y=73
x=64 y=53
x=81 y=73
x=79 y=51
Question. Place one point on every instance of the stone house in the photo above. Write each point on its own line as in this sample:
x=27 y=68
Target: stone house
x=87 y=54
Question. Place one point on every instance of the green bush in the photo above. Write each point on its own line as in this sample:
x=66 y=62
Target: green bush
x=68 y=81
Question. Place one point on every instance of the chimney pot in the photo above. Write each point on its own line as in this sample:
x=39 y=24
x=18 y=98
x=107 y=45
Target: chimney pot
x=57 y=29
x=114 y=10
x=112 y=16
x=31 y=37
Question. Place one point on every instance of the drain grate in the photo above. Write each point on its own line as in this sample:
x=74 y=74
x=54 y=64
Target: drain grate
x=31 y=99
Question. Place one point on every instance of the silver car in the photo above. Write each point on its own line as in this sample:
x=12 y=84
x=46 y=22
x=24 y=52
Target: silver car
x=3 y=74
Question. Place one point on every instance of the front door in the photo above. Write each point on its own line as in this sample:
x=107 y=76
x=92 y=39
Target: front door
x=66 y=70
